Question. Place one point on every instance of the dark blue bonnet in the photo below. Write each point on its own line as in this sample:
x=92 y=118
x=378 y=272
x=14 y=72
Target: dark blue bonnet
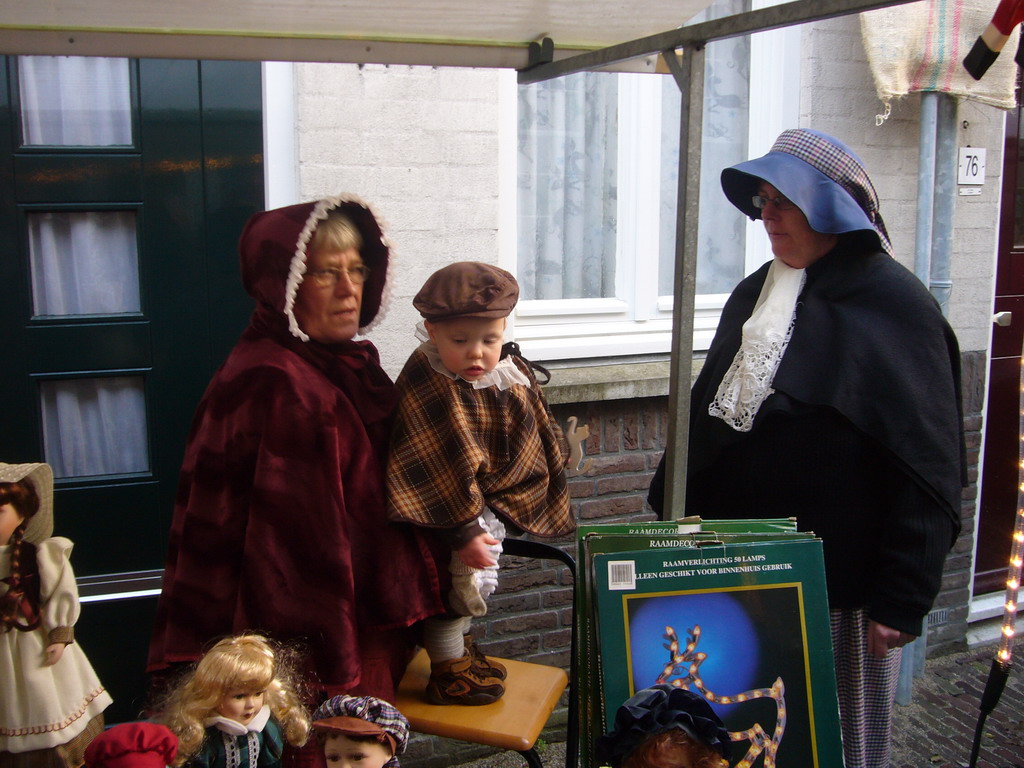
x=821 y=175
x=655 y=710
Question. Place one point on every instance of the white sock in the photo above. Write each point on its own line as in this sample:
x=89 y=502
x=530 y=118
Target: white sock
x=443 y=637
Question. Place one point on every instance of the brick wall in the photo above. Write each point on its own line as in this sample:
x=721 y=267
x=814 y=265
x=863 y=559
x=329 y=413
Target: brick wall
x=420 y=144
x=947 y=625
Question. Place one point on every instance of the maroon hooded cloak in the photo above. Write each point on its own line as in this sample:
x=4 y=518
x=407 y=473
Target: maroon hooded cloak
x=280 y=522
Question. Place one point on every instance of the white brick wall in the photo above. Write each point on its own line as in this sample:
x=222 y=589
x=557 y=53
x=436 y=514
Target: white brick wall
x=977 y=230
x=838 y=97
x=421 y=145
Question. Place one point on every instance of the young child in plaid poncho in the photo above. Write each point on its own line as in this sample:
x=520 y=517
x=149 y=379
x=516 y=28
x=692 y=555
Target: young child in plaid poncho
x=474 y=449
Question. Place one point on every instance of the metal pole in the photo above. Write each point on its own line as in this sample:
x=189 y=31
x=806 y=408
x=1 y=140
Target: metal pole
x=945 y=200
x=690 y=77
x=773 y=17
x=925 y=187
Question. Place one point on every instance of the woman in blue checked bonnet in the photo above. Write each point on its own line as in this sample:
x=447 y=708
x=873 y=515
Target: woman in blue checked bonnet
x=831 y=392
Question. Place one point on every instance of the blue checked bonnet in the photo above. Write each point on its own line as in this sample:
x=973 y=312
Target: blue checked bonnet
x=823 y=177
x=657 y=709
x=364 y=716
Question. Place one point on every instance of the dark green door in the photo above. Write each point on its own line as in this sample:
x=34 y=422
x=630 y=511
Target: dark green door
x=122 y=295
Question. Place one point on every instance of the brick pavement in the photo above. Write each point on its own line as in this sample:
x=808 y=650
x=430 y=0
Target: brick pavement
x=937 y=729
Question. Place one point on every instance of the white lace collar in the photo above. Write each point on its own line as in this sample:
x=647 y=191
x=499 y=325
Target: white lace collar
x=504 y=375
x=235 y=728
x=766 y=335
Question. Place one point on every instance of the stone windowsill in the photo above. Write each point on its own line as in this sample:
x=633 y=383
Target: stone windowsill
x=616 y=381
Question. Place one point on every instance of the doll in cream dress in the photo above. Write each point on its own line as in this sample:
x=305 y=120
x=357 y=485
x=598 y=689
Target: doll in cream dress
x=51 y=702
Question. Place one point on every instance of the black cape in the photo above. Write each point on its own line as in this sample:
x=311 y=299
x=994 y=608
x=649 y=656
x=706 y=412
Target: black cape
x=871 y=343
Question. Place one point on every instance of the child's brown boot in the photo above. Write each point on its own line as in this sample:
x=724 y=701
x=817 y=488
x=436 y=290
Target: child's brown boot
x=456 y=682
x=482 y=665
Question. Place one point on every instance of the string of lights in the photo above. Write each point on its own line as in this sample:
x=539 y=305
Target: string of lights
x=683 y=670
x=1003 y=661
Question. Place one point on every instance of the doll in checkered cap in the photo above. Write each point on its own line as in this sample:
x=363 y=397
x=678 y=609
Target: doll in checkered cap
x=474 y=450
x=360 y=732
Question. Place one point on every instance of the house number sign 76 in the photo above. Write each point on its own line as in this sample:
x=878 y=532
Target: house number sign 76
x=971 y=168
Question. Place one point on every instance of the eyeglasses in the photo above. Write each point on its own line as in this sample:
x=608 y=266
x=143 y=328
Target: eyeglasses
x=328 y=278
x=780 y=203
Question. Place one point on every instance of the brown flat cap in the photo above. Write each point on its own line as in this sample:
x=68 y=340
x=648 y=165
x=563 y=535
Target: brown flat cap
x=467 y=289
x=355 y=726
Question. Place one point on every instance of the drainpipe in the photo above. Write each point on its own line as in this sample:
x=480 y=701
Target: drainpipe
x=925 y=187
x=940 y=283
x=936 y=195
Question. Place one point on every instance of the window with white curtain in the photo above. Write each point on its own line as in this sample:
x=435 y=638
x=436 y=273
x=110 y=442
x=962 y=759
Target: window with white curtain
x=568 y=162
x=596 y=190
x=94 y=426
x=75 y=101
x=83 y=262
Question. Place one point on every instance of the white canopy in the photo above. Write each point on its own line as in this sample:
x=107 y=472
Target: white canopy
x=477 y=33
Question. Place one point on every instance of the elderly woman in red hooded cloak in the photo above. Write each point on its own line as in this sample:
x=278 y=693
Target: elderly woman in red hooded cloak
x=279 y=523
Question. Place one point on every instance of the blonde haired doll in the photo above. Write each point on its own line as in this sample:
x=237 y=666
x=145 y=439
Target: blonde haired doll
x=237 y=708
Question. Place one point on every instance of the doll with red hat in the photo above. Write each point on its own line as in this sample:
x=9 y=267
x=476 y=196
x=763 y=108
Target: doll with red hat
x=133 y=745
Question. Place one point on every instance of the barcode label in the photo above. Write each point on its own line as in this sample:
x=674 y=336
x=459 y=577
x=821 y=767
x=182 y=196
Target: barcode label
x=621 y=574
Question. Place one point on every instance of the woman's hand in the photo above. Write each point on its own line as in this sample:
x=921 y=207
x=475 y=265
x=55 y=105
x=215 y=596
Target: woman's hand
x=474 y=553
x=882 y=639
x=53 y=653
